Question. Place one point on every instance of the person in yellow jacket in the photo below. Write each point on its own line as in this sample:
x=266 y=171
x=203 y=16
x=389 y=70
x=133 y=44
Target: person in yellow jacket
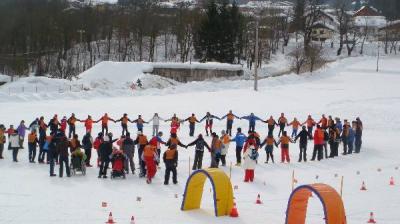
x=32 y=143
x=192 y=124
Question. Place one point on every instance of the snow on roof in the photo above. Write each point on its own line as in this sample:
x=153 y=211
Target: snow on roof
x=323 y=25
x=370 y=21
x=391 y=24
x=197 y=65
x=367 y=11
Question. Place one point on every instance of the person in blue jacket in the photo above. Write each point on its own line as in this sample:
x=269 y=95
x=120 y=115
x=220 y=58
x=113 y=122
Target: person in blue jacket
x=252 y=121
x=239 y=139
x=350 y=139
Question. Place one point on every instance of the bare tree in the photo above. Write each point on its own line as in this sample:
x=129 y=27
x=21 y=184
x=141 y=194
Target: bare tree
x=314 y=56
x=298 y=58
x=343 y=19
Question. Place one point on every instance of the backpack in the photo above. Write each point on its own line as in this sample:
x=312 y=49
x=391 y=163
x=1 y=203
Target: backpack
x=253 y=154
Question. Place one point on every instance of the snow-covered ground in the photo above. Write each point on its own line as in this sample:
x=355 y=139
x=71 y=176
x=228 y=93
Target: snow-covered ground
x=346 y=88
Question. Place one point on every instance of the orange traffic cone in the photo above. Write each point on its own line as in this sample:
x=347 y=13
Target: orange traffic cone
x=234 y=212
x=132 y=220
x=110 y=219
x=391 y=183
x=258 y=201
x=363 y=188
x=371 y=218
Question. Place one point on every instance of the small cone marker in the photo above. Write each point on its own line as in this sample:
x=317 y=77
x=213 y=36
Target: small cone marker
x=363 y=188
x=371 y=218
x=139 y=199
x=132 y=220
x=358 y=172
x=110 y=219
x=104 y=204
x=265 y=183
x=316 y=177
x=379 y=169
x=336 y=175
x=396 y=168
x=295 y=181
x=234 y=212
x=258 y=201
x=236 y=187
x=391 y=183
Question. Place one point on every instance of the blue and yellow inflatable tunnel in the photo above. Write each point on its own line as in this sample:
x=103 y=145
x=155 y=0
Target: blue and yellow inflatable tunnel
x=222 y=191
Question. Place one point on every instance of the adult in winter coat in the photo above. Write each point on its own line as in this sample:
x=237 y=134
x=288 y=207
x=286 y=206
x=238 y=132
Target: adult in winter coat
x=209 y=118
x=323 y=122
x=87 y=144
x=174 y=140
x=63 y=124
x=21 y=133
x=295 y=127
x=216 y=147
x=271 y=125
x=282 y=122
x=150 y=157
x=358 y=135
x=15 y=145
x=124 y=123
x=9 y=132
x=192 y=124
x=345 y=135
x=252 y=121
x=230 y=117
x=334 y=139
x=2 y=140
x=239 y=139
x=269 y=143
x=53 y=124
x=199 y=144
x=225 y=146
x=34 y=125
x=52 y=152
x=62 y=149
x=318 y=143
x=105 y=153
x=139 y=123
x=104 y=123
x=142 y=141
x=74 y=143
x=32 y=143
x=326 y=140
x=88 y=124
x=250 y=156
x=339 y=125
x=128 y=147
x=351 y=138
x=284 y=142
x=71 y=124
x=96 y=145
x=170 y=159
x=156 y=123
x=304 y=136
x=310 y=123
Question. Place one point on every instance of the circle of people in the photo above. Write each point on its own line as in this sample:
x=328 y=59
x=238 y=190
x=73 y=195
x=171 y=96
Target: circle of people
x=57 y=146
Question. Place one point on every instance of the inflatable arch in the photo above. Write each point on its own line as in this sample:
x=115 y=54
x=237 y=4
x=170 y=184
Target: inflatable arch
x=222 y=191
x=331 y=201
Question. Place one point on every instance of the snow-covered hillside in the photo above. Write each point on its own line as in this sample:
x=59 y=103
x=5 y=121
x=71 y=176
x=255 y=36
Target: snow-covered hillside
x=346 y=88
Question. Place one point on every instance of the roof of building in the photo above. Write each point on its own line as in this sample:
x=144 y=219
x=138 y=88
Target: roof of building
x=367 y=11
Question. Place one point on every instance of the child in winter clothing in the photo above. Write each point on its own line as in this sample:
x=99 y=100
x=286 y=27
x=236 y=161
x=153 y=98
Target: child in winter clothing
x=269 y=147
x=271 y=125
x=239 y=139
x=150 y=157
x=282 y=122
x=304 y=136
x=225 y=146
x=139 y=123
x=310 y=125
x=170 y=159
x=104 y=123
x=216 y=146
x=156 y=141
x=284 y=142
x=124 y=123
x=209 y=121
x=156 y=123
x=199 y=143
x=252 y=121
x=15 y=144
x=192 y=124
x=230 y=117
x=32 y=143
x=250 y=156
x=295 y=127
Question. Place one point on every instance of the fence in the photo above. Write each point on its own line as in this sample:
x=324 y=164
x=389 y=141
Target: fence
x=46 y=89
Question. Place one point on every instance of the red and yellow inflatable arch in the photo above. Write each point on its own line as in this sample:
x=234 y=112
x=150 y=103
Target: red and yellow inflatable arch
x=331 y=201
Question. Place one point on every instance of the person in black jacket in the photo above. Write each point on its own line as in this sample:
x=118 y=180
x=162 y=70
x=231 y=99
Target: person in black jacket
x=105 y=152
x=128 y=147
x=198 y=157
x=170 y=159
x=304 y=135
x=87 y=144
x=62 y=149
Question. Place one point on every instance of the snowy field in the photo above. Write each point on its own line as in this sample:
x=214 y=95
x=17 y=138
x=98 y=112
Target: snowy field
x=347 y=88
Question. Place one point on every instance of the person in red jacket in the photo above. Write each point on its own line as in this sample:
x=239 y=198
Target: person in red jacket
x=96 y=145
x=63 y=125
x=104 y=123
x=318 y=143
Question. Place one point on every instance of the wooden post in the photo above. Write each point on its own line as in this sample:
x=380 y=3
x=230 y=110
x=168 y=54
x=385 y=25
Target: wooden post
x=341 y=187
x=293 y=180
x=230 y=170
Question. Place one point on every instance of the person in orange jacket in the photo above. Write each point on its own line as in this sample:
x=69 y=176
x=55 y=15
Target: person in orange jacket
x=230 y=117
x=32 y=143
x=150 y=157
x=71 y=123
x=139 y=123
x=271 y=125
x=295 y=127
x=310 y=123
x=142 y=141
x=269 y=143
x=104 y=123
x=282 y=122
x=323 y=122
x=284 y=142
x=192 y=124
x=88 y=124
x=124 y=123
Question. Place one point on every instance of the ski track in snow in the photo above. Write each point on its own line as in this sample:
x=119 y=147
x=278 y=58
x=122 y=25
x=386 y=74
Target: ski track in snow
x=346 y=88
